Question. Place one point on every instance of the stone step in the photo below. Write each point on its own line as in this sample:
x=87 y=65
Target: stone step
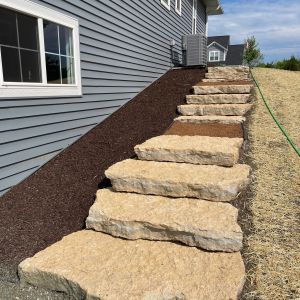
x=214 y=109
x=229 y=70
x=191 y=149
x=214 y=80
x=218 y=99
x=229 y=73
x=220 y=88
x=93 y=265
x=211 y=119
x=227 y=77
x=179 y=179
x=204 y=224
x=225 y=80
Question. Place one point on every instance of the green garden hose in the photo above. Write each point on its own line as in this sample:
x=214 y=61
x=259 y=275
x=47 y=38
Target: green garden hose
x=274 y=118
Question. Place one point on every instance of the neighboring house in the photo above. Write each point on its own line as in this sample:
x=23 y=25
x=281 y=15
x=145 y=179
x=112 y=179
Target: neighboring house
x=65 y=66
x=221 y=52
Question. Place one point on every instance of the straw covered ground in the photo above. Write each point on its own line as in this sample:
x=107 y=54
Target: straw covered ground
x=272 y=251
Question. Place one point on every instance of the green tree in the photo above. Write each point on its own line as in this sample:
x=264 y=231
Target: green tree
x=292 y=64
x=252 y=54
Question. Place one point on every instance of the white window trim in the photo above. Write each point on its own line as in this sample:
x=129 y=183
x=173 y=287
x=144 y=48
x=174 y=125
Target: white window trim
x=225 y=55
x=166 y=5
x=214 y=52
x=194 y=16
x=21 y=89
x=206 y=26
x=180 y=4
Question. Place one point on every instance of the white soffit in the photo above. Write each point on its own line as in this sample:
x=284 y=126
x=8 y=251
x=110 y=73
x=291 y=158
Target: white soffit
x=213 y=7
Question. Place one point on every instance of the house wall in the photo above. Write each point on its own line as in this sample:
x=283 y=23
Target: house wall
x=124 y=47
x=216 y=48
x=201 y=16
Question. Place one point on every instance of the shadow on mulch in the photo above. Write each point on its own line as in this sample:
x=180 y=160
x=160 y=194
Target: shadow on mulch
x=55 y=200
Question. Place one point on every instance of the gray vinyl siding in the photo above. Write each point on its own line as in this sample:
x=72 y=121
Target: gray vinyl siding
x=216 y=48
x=201 y=17
x=124 y=47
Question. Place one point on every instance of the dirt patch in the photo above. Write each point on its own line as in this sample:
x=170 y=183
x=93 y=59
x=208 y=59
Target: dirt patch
x=272 y=240
x=215 y=130
x=55 y=200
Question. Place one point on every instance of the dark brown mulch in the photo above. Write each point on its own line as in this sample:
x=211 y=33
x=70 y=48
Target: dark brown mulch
x=55 y=200
x=215 y=130
x=241 y=82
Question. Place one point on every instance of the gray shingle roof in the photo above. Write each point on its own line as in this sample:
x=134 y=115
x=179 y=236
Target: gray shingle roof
x=223 y=40
x=235 y=54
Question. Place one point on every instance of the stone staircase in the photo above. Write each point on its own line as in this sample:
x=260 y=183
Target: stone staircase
x=165 y=230
x=219 y=99
x=225 y=92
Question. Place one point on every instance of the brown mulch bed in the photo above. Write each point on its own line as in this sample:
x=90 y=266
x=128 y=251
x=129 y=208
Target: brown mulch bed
x=55 y=200
x=214 y=130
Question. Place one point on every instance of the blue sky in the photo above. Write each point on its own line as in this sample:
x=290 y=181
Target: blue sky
x=275 y=24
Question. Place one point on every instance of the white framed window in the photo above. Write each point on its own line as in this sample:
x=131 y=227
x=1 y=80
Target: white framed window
x=214 y=55
x=178 y=6
x=166 y=3
x=39 y=51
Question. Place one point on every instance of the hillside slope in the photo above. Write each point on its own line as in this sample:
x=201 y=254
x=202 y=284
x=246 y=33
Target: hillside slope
x=272 y=247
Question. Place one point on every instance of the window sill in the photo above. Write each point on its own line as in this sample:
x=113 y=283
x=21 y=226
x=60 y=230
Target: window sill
x=35 y=91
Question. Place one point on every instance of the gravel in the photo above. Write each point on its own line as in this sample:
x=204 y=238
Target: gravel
x=11 y=291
